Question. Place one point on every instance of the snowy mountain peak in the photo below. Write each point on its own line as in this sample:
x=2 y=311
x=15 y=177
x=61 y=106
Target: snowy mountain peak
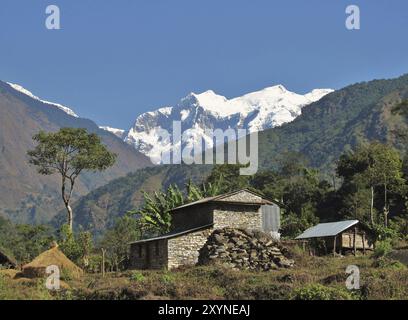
x=117 y=132
x=23 y=90
x=278 y=89
x=165 y=110
x=208 y=100
x=316 y=94
x=255 y=111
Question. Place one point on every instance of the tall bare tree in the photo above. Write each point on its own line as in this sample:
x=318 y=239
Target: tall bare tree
x=68 y=152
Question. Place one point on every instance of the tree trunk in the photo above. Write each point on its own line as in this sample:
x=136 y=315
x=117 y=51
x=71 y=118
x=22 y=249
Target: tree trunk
x=70 y=218
x=385 y=206
x=386 y=217
x=67 y=199
x=103 y=262
x=372 y=206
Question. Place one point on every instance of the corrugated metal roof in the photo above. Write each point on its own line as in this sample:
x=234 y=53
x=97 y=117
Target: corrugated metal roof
x=327 y=229
x=203 y=200
x=222 y=196
x=171 y=235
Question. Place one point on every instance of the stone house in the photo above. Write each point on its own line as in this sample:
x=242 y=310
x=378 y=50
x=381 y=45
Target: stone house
x=194 y=222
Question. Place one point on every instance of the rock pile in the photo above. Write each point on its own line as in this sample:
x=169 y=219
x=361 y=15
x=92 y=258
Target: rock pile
x=244 y=249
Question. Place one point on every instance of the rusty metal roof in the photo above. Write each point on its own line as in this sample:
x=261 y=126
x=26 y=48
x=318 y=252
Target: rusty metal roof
x=327 y=229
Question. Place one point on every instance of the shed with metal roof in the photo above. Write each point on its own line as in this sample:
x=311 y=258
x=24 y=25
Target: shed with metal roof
x=340 y=237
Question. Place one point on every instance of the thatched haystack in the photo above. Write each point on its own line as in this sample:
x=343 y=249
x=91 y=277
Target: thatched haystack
x=37 y=267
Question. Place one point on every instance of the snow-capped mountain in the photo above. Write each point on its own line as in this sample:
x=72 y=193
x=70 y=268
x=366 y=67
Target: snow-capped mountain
x=31 y=95
x=257 y=111
x=117 y=132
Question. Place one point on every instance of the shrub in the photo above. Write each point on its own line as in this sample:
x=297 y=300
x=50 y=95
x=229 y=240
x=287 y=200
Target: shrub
x=76 y=247
x=137 y=276
x=382 y=233
x=382 y=248
x=94 y=263
x=320 y=292
x=386 y=263
x=167 y=278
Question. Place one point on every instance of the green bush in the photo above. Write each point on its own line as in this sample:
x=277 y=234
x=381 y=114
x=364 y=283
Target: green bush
x=382 y=248
x=383 y=233
x=94 y=263
x=137 y=276
x=76 y=247
x=386 y=263
x=168 y=278
x=320 y=292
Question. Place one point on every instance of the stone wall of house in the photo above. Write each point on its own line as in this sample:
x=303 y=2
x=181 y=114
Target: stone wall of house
x=184 y=250
x=234 y=217
x=149 y=255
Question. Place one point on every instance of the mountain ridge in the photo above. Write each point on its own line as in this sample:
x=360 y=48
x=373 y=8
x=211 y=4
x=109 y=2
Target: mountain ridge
x=255 y=111
x=29 y=196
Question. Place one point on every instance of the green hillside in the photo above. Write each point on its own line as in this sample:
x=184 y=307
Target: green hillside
x=339 y=122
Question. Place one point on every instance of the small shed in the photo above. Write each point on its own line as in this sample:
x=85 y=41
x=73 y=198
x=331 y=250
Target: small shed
x=6 y=260
x=341 y=236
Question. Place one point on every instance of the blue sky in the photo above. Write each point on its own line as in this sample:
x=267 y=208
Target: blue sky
x=113 y=60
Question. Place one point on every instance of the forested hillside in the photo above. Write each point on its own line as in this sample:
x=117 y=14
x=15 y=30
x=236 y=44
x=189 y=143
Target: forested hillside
x=338 y=122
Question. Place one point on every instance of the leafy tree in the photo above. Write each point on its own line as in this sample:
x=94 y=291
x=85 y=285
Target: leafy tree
x=76 y=247
x=269 y=183
x=207 y=189
x=68 y=152
x=116 y=241
x=401 y=108
x=291 y=164
x=230 y=176
x=154 y=216
x=375 y=165
x=24 y=242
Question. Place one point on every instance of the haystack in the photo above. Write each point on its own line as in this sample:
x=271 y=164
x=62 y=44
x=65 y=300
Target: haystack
x=37 y=267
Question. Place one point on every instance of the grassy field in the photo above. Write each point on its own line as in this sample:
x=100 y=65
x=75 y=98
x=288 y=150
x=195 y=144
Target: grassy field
x=321 y=278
